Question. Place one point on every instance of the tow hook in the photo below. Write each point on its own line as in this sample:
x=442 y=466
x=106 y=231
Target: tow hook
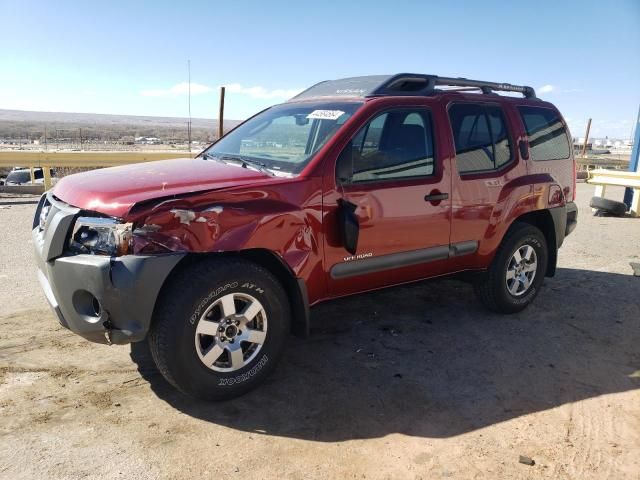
x=108 y=327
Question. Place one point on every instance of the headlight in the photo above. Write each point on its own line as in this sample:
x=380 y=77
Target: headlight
x=101 y=236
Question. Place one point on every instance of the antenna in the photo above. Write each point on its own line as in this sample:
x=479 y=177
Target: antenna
x=189 y=124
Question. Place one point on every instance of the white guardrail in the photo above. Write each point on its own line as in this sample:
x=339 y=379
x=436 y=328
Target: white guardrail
x=602 y=178
x=47 y=160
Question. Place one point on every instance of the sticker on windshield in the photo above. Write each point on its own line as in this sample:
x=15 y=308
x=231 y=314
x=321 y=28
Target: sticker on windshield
x=325 y=114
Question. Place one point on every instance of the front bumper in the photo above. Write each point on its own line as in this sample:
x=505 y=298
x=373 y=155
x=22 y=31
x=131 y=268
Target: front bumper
x=103 y=299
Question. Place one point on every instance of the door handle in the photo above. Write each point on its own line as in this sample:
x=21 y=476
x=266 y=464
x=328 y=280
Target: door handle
x=436 y=197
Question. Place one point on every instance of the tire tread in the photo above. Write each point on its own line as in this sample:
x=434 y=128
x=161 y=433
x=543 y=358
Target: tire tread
x=180 y=286
x=485 y=286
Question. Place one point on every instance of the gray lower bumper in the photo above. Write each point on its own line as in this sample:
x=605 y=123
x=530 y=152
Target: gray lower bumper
x=572 y=218
x=565 y=219
x=104 y=299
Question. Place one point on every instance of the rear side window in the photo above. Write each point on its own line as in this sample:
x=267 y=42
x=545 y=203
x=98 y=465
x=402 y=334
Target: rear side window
x=547 y=136
x=480 y=136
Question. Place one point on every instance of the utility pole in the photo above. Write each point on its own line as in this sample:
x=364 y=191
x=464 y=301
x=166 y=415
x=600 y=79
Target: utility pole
x=221 y=114
x=586 y=139
x=45 y=138
x=80 y=138
x=634 y=161
x=189 y=124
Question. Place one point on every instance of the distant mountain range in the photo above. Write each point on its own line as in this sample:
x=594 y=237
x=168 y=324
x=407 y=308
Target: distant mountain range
x=29 y=124
x=105 y=119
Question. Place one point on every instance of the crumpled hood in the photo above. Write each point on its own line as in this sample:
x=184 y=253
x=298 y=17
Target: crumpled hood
x=113 y=191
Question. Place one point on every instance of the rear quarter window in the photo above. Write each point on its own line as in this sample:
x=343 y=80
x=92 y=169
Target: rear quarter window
x=548 y=138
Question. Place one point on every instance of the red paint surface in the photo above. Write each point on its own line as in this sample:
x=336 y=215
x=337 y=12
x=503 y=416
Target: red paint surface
x=232 y=208
x=115 y=190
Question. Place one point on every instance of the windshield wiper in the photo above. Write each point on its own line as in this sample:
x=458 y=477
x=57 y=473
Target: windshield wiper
x=243 y=161
x=246 y=161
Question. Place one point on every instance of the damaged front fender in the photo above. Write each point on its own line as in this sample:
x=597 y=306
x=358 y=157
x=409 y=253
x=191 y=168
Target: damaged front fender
x=232 y=222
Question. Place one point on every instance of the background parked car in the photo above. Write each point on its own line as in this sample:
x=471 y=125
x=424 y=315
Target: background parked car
x=22 y=176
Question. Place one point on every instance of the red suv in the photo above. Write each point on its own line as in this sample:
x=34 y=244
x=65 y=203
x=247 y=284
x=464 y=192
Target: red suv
x=351 y=186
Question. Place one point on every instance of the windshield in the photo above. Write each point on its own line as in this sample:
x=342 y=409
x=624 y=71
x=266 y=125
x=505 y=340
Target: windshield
x=285 y=137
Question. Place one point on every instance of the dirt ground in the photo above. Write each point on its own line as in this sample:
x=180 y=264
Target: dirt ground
x=412 y=382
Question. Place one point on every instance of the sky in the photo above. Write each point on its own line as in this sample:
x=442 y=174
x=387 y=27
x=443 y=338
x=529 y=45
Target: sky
x=130 y=57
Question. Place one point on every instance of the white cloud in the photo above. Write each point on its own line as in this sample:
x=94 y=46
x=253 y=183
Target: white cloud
x=546 y=89
x=179 y=89
x=196 y=88
x=261 y=92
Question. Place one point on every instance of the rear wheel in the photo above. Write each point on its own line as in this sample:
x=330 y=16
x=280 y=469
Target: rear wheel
x=220 y=328
x=516 y=274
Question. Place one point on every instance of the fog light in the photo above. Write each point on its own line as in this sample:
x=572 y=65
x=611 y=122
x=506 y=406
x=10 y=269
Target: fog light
x=87 y=306
x=96 y=306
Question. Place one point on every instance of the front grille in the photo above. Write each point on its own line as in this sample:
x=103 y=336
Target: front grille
x=43 y=201
x=53 y=221
x=44 y=212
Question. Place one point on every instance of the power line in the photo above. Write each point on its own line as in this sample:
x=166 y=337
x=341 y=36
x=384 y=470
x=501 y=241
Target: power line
x=189 y=124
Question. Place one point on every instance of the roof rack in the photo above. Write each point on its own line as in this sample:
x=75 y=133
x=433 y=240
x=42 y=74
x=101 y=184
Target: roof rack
x=404 y=84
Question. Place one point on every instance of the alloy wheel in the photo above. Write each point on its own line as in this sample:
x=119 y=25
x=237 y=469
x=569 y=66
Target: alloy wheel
x=231 y=332
x=521 y=270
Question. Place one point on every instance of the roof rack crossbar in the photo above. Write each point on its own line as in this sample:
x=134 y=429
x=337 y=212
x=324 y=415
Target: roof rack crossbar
x=487 y=87
x=416 y=84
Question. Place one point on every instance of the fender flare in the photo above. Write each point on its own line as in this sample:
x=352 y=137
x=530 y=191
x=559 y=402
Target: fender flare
x=295 y=287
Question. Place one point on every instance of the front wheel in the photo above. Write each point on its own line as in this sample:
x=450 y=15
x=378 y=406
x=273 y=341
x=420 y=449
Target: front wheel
x=516 y=274
x=219 y=328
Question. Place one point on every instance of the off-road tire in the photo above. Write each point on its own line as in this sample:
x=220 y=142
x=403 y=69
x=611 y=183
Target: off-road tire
x=491 y=287
x=186 y=297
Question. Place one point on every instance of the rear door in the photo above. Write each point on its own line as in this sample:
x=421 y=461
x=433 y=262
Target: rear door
x=400 y=187
x=486 y=162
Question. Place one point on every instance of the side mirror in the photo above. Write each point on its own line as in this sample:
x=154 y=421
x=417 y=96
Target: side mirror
x=344 y=165
x=524 y=149
x=349 y=225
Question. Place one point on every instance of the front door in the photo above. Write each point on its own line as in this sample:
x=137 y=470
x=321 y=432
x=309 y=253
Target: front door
x=392 y=174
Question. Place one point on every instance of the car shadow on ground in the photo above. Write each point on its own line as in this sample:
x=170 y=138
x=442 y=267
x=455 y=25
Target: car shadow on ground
x=20 y=202
x=427 y=360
